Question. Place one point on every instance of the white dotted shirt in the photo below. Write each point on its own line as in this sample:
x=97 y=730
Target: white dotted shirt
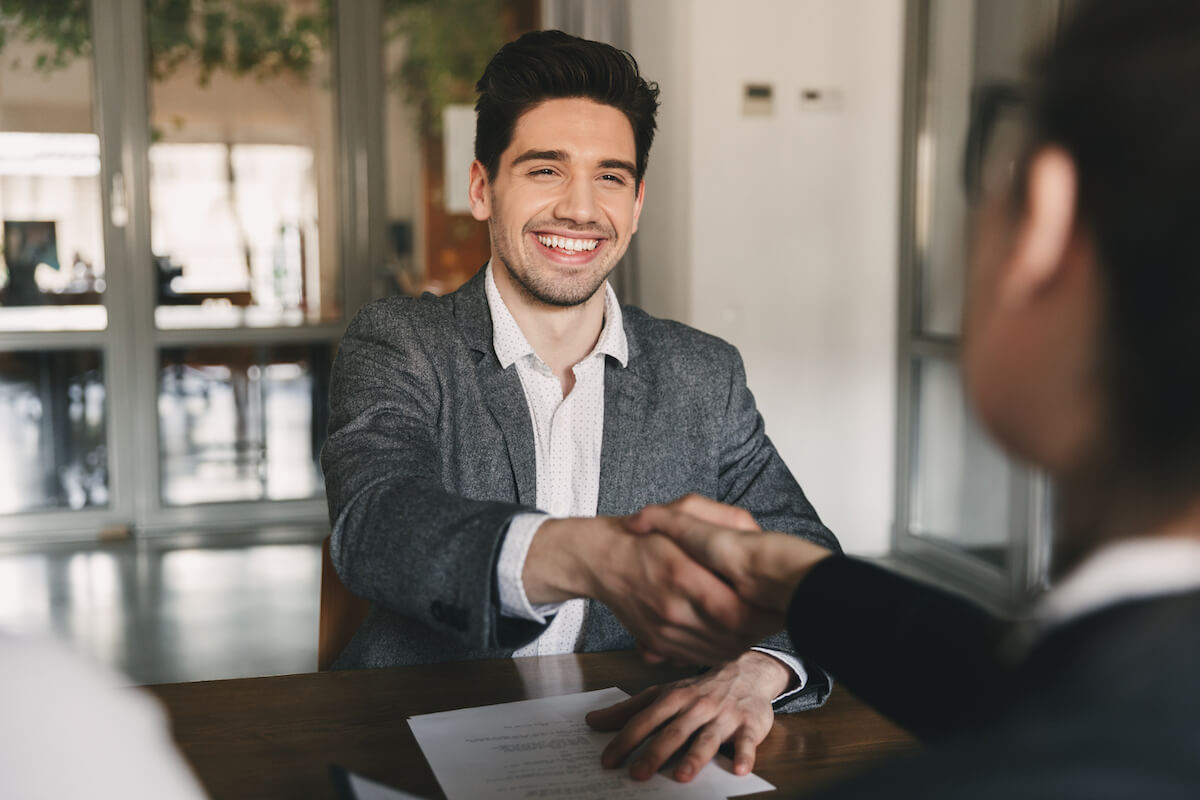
x=567 y=435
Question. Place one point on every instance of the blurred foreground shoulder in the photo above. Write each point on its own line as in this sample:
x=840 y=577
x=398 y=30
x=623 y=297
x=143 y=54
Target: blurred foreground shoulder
x=73 y=730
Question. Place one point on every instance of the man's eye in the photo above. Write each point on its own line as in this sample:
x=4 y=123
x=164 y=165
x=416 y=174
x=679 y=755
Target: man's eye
x=542 y=171
x=613 y=178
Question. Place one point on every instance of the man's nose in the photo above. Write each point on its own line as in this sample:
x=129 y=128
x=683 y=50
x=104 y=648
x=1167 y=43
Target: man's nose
x=578 y=202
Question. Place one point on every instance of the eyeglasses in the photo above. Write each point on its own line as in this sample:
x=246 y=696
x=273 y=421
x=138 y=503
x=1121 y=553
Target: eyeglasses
x=995 y=138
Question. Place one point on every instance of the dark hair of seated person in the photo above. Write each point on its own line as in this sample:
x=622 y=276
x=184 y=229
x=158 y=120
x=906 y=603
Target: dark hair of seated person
x=548 y=65
x=1119 y=90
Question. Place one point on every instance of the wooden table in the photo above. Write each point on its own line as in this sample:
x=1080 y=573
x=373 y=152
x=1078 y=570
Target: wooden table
x=274 y=737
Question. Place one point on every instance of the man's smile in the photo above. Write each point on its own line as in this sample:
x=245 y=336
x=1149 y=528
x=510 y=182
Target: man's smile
x=567 y=243
x=569 y=249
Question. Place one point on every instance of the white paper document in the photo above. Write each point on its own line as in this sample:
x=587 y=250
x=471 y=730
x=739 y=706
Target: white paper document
x=544 y=749
x=370 y=790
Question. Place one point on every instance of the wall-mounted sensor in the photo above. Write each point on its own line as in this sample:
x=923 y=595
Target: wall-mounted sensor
x=820 y=98
x=758 y=100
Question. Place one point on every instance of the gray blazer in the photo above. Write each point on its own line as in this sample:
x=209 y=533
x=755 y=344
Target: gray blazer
x=431 y=453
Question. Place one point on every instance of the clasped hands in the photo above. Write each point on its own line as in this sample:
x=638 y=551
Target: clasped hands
x=696 y=582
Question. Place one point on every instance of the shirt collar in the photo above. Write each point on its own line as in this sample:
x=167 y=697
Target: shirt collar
x=1128 y=570
x=511 y=345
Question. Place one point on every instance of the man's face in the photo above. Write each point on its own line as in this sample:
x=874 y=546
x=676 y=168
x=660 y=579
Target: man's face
x=565 y=200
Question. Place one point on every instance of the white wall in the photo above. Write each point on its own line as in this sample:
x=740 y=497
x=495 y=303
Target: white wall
x=779 y=233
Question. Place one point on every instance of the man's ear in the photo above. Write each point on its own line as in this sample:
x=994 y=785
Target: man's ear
x=1046 y=227
x=480 y=197
x=637 y=205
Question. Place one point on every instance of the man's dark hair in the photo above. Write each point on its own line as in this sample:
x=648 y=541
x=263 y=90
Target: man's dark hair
x=548 y=65
x=1120 y=91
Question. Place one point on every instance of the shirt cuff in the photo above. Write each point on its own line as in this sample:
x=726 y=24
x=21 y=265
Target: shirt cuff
x=510 y=568
x=794 y=665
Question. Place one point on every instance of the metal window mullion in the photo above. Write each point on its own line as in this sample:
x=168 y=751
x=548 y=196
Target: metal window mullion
x=916 y=14
x=238 y=515
x=59 y=525
x=233 y=337
x=372 y=101
x=109 y=55
x=12 y=341
x=359 y=87
x=935 y=348
x=133 y=324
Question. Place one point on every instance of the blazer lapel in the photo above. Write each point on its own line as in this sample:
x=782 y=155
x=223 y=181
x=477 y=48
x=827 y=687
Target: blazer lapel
x=500 y=388
x=626 y=397
x=505 y=400
x=626 y=403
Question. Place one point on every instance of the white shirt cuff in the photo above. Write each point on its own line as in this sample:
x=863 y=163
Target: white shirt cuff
x=511 y=567
x=792 y=663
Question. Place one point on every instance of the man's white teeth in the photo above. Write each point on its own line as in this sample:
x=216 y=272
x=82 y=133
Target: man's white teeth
x=564 y=243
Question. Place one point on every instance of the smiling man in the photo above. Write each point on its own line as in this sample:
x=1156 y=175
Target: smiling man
x=485 y=445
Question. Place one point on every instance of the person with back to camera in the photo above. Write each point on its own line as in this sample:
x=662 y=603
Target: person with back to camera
x=1082 y=357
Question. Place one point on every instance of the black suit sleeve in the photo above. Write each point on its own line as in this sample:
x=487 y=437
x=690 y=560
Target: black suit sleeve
x=925 y=658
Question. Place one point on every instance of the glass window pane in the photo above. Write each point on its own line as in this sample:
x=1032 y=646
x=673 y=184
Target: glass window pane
x=960 y=482
x=53 y=431
x=52 y=264
x=970 y=43
x=242 y=423
x=242 y=163
x=434 y=52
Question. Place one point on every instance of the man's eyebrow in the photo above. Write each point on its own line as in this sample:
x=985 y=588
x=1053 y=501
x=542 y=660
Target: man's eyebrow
x=616 y=163
x=559 y=155
x=539 y=155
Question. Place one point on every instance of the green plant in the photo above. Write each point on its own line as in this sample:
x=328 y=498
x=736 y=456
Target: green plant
x=262 y=38
x=448 y=44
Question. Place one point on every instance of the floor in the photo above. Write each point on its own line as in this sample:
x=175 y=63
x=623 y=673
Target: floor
x=184 y=608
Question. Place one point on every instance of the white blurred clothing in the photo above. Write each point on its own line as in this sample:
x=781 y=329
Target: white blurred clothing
x=68 y=729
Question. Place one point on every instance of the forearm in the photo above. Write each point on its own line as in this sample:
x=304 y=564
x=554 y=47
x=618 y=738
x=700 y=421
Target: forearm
x=402 y=536
x=400 y=539
x=408 y=546
x=566 y=558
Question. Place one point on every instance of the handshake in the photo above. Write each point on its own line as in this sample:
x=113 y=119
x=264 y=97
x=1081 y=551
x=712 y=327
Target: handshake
x=695 y=581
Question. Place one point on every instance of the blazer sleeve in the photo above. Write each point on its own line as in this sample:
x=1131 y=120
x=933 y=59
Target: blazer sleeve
x=400 y=539
x=927 y=659
x=753 y=476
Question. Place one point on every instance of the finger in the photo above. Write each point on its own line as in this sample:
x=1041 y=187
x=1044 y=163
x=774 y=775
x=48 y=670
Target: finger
x=704 y=747
x=718 y=607
x=648 y=655
x=639 y=522
x=668 y=741
x=716 y=513
x=684 y=648
x=692 y=534
x=694 y=636
x=663 y=706
x=616 y=715
x=745 y=750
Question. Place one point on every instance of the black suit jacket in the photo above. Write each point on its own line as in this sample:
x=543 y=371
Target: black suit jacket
x=1103 y=706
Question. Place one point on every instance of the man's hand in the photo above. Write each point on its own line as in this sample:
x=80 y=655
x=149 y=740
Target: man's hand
x=732 y=702
x=675 y=608
x=764 y=568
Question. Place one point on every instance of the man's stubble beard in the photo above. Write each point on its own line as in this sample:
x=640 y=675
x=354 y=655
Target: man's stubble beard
x=563 y=294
